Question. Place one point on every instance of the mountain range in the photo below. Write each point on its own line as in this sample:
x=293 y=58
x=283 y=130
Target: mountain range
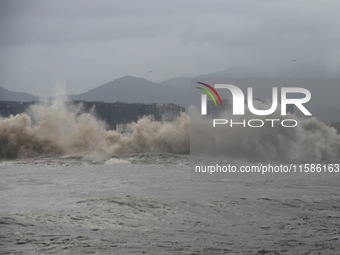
x=125 y=89
x=177 y=90
x=132 y=90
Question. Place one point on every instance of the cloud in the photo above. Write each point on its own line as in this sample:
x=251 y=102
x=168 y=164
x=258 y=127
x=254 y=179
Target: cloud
x=97 y=41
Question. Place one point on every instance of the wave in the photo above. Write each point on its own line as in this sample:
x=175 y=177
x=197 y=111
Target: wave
x=61 y=129
x=310 y=141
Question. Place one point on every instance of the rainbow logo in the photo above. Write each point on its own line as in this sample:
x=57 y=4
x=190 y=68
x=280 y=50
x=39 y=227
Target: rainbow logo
x=209 y=90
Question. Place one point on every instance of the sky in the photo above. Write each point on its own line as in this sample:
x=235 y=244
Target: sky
x=87 y=43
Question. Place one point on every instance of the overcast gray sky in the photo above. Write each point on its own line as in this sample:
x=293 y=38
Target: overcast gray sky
x=91 y=42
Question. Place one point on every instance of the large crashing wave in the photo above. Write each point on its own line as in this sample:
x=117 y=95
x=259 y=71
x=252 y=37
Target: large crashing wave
x=57 y=129
x=310 y=141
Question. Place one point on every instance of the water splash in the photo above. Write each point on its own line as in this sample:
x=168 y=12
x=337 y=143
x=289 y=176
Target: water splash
x=310 y=141
x=65 y=130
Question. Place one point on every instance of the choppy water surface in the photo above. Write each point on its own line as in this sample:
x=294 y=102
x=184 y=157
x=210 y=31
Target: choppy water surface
x=150 y=204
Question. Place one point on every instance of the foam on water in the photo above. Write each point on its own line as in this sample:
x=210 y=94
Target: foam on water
x=113 y=161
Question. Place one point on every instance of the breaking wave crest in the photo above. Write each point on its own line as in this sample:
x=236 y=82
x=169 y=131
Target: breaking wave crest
x=59 y=129
x=310 y=141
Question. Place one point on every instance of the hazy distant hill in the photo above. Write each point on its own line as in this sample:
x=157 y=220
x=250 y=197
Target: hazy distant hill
x=136 y=90
x=325 y=91
x=324 y=103
x=178 y=82
x=7 y=95
x=233 y=72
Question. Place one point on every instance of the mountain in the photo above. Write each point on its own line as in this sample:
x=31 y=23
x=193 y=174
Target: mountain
x=7 y=95
x=178 y=82
x=135 y=90
x=233 y=72
x=324 y=103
